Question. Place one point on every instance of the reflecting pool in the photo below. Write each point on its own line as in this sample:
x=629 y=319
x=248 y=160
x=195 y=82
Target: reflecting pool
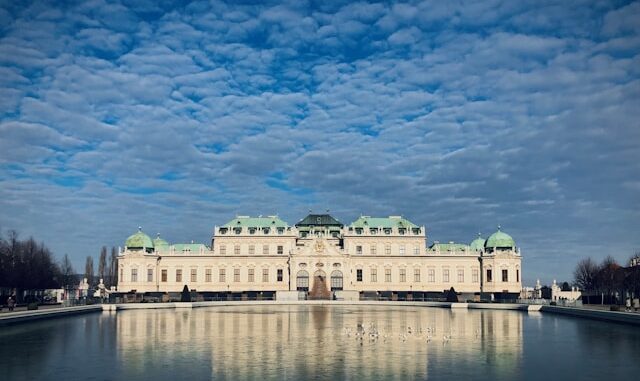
x=318 y=343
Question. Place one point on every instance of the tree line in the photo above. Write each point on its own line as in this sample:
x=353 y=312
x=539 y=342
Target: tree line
x=608 y=277
x=26 y=264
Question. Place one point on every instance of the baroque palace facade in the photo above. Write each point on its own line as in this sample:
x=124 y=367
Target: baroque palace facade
x=319 y=257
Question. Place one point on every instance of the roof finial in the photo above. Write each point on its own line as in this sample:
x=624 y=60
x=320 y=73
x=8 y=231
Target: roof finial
x=479 y=235
x=499 y=227
x=158 y=235
x=139 y=228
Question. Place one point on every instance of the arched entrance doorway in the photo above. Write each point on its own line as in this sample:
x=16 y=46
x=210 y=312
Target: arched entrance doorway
x=319 y=290
x=336 y=280
x=302 y=281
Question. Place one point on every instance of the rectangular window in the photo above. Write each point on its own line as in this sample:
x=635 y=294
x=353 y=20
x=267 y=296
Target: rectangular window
x=416 y=250
x=236 y=249
x=251 y=275
x=265 y=275
x=505 y=275
x=489 y=276
x=401 y=249
x=460 y=276
x=279 y=275
x=265 y=249
x=359 y=250
x=445 y=275
x=387 y=275
x=122 y=275
x=474 y=275
x=373 y=249
x=517 y=275
x=178 y=275
x=387 y=249
x=416 y=275
x=149 y=275
x=359 y=275
x=432 y=275
x=236 y=275
x=134 y=275
x=252 y=249
x=280 y=250
x=403 y=275
x=164 y=275
x=374 y=275
x=222 y=276
x=223 y=250
x=194 y=275
x=207 y=275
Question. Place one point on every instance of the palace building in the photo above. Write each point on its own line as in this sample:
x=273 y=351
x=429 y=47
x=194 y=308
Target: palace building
x=321 y=258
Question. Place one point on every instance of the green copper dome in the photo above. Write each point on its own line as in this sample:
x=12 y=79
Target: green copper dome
x=477 y=244
x=500 y=240
x=138 y=241
x=159 y=242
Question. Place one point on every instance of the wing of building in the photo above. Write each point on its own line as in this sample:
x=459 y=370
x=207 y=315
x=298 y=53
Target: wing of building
x=319 y=257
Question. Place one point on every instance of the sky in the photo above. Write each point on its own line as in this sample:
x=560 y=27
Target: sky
x=460 y=116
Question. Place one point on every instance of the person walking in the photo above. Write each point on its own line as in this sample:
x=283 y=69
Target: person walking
x=11 y=303
x=628 y=305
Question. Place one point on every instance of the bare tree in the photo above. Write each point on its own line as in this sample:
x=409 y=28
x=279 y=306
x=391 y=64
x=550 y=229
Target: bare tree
x=102 y=263
x=610 y=277
x=67 y=272
x=585 y=274
x=88 y=270
x=113 y=267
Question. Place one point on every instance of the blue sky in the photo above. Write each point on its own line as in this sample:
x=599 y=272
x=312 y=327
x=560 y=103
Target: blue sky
x=458 y=115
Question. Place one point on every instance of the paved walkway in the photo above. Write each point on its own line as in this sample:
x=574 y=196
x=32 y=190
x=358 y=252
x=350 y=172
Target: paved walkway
x=24 y=308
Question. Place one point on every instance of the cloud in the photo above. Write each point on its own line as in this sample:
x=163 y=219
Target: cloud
x=461 y=116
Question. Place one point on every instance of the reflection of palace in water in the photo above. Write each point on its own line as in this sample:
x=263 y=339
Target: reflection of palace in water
x=321 y=256
x=296 y=342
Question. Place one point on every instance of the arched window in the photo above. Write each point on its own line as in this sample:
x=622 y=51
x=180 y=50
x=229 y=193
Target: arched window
x=336 y=280
x=302 y=281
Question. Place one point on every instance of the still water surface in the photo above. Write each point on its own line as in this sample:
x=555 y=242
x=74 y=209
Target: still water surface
x=319 y=343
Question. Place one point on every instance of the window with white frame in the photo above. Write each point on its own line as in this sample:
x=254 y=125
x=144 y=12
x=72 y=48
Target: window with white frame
x=445 y=275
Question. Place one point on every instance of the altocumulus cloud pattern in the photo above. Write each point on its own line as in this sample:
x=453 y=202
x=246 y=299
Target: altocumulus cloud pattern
x=459 y=115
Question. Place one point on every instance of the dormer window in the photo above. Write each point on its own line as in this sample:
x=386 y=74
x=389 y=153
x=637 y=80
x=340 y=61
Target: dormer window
x=252 y=231
x=358 y=230
x=402 y=231
x=373 y=231
x=265 y=230
x=416 y=231
x=280 y=230
x=319 y=220
x=387 y=231
x=237 y=230
x=223 y=230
